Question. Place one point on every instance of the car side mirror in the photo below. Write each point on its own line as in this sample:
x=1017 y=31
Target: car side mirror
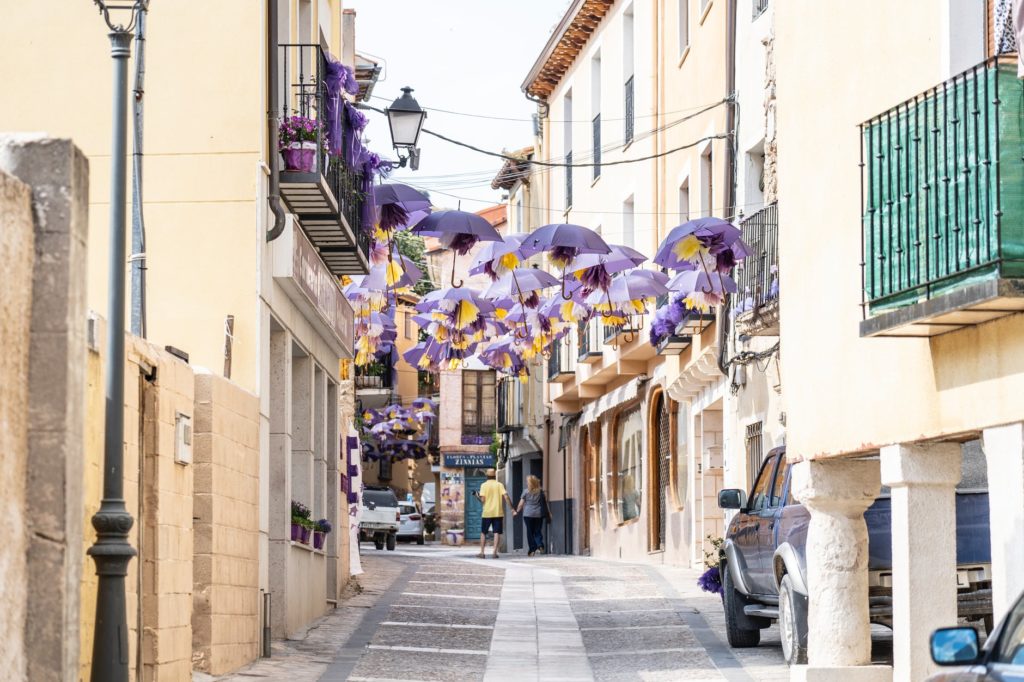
x=732 y=498
x=955 y=646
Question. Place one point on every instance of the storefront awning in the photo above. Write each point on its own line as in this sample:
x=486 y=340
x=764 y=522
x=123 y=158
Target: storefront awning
x=622 y=394
x=523 y=447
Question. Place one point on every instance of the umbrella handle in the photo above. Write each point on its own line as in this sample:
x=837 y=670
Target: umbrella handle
x=705 y=266
x=564 y=297
x=455 y=258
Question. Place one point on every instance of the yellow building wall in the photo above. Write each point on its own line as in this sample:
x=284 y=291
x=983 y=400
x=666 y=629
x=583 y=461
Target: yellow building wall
x=204 y=132
x=837 y=65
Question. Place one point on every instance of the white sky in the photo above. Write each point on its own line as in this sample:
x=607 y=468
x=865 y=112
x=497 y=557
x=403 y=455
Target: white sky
x=462 y=55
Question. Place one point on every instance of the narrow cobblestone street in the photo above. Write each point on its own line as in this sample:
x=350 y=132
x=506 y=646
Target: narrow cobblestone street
x=437 y=613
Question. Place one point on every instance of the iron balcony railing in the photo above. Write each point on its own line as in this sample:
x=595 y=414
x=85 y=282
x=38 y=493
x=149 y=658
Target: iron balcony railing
x=757 y=276
x=510 y=404
x=304 y=93
x=562 y=359
x=597 y=146
x=940 y=189
x=628 y=107
x=590 y=338
x=568 y=180
x=378 y=375
x=759 y=7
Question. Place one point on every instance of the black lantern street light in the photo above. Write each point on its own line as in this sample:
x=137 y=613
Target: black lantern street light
x=112 y=522
x=405 y=117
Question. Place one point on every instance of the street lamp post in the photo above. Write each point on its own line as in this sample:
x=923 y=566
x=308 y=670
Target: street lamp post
x=405 y=118
x=112 y=522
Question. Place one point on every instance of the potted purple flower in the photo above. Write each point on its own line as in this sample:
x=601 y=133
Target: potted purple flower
x=300 y=517
x=320 y=530
x=711 y=579
x=307 y=531
x=297 y=142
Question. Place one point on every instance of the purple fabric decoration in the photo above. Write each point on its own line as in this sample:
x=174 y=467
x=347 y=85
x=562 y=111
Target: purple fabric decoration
x=462 y=243
x=336 y=74
x=564 y=254
x=353 y=497
x=392 y=215
x=353 y=470
x=595 y=278
x=531 y=301
x=710 y=581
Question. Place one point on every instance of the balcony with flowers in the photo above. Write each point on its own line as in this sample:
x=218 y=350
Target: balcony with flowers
x=327 y=173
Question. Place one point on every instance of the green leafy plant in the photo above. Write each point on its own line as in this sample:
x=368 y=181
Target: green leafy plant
x=711 y=557
x=300 y=511
x=495 y=446
x=412 y=247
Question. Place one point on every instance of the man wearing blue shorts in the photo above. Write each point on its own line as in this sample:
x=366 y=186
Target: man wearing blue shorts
x=493 y=496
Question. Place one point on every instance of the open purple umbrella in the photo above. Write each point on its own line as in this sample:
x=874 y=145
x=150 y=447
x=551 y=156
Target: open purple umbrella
x=458 y=231
x=521 y=283
x=595 y=270
x=684 y=245
x=564 y=242
x=499 y=258
x=397 y=203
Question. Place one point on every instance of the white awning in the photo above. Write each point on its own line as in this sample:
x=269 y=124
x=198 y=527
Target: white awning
x=622 y=394
x=523 y=447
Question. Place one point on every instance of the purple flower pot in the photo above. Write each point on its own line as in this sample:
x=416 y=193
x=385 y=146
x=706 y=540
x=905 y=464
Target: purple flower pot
x=305 y=535
x=296 y=532
x=318 y=539
x=299 y=157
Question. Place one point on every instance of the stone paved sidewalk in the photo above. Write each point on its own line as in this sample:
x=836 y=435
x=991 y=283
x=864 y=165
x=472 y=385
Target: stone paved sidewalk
x=436 y=613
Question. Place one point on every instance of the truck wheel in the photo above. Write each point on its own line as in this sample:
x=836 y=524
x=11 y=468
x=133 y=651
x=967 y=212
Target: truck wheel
x=378 y=541
x=739 y=636
x=792 y=623
x=392 y=541
x=420 y=540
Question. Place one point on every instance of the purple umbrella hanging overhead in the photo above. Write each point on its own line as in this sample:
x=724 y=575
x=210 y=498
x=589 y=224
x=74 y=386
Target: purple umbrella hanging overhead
x=595 y=270
x=685 y=244
x=564 y=242
x=458 y=231
x=399 y=205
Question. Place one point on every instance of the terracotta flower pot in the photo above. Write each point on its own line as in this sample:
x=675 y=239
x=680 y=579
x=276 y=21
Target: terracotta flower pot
x=305 y=535
x=318 y=539
x=296 y=532
x=299 y=156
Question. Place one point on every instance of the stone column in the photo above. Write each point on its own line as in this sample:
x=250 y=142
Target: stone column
x=58 y=174
x=837 y=492
x=923 y=480
x=1004 y=452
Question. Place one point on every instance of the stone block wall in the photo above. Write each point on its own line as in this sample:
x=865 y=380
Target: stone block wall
x=16 y=260
x=226 y=609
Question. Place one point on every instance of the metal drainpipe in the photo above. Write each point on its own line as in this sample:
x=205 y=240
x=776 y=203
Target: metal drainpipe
x=730 y=170
x=274 y=196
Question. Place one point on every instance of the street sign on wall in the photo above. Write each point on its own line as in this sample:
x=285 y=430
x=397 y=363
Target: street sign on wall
x=469 y=459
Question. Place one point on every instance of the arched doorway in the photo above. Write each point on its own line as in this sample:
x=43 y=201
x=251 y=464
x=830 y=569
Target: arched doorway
x=660 y=449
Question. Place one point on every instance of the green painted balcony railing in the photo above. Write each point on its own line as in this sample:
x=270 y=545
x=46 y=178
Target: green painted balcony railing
x=942 y=189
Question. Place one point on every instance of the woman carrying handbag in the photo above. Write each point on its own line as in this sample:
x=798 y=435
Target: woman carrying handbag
x=534 y=507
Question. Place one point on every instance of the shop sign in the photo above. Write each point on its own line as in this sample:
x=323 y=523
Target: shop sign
x=469 y=459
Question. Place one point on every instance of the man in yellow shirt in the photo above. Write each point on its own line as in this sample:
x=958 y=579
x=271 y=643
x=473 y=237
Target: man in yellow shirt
x=492 y=495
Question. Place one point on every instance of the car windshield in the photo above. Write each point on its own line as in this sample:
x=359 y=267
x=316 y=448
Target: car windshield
x=407 y=509
x=1011 y=643
x=379 y=498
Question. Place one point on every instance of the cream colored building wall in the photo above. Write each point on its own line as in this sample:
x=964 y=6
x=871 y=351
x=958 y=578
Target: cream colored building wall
x=225 y=621
x=883 y=390
x=165 y=521
x=204 y=128
x=16 y=263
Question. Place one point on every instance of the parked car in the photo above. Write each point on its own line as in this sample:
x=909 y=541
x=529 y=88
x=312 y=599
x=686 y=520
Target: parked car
x=1001 y=660
x=380 y=517
x=411 y=523
x=764 y=570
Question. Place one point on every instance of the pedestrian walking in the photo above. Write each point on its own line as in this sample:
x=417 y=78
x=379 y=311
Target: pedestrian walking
x=534 y=508
x=492 y=495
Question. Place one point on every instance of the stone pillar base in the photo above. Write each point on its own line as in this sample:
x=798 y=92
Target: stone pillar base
x=846 y=673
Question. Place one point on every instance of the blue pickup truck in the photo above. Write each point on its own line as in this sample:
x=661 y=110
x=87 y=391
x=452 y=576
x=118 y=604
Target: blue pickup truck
x=764 y=571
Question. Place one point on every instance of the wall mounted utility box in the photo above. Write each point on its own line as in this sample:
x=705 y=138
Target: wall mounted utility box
x=182 y=439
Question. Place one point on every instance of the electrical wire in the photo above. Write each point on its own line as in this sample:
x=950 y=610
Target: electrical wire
x=530 y=120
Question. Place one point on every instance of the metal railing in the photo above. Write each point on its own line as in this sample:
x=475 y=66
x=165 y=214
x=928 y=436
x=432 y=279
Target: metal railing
x=377 y=374
x=597 y=146
x=568 y=180
x=759 y=7
x=938 y=173
x=590 y=338
x=757 y=276
x=628 y=107
x=304 y=93
x=562 y=360
x=510 y=404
